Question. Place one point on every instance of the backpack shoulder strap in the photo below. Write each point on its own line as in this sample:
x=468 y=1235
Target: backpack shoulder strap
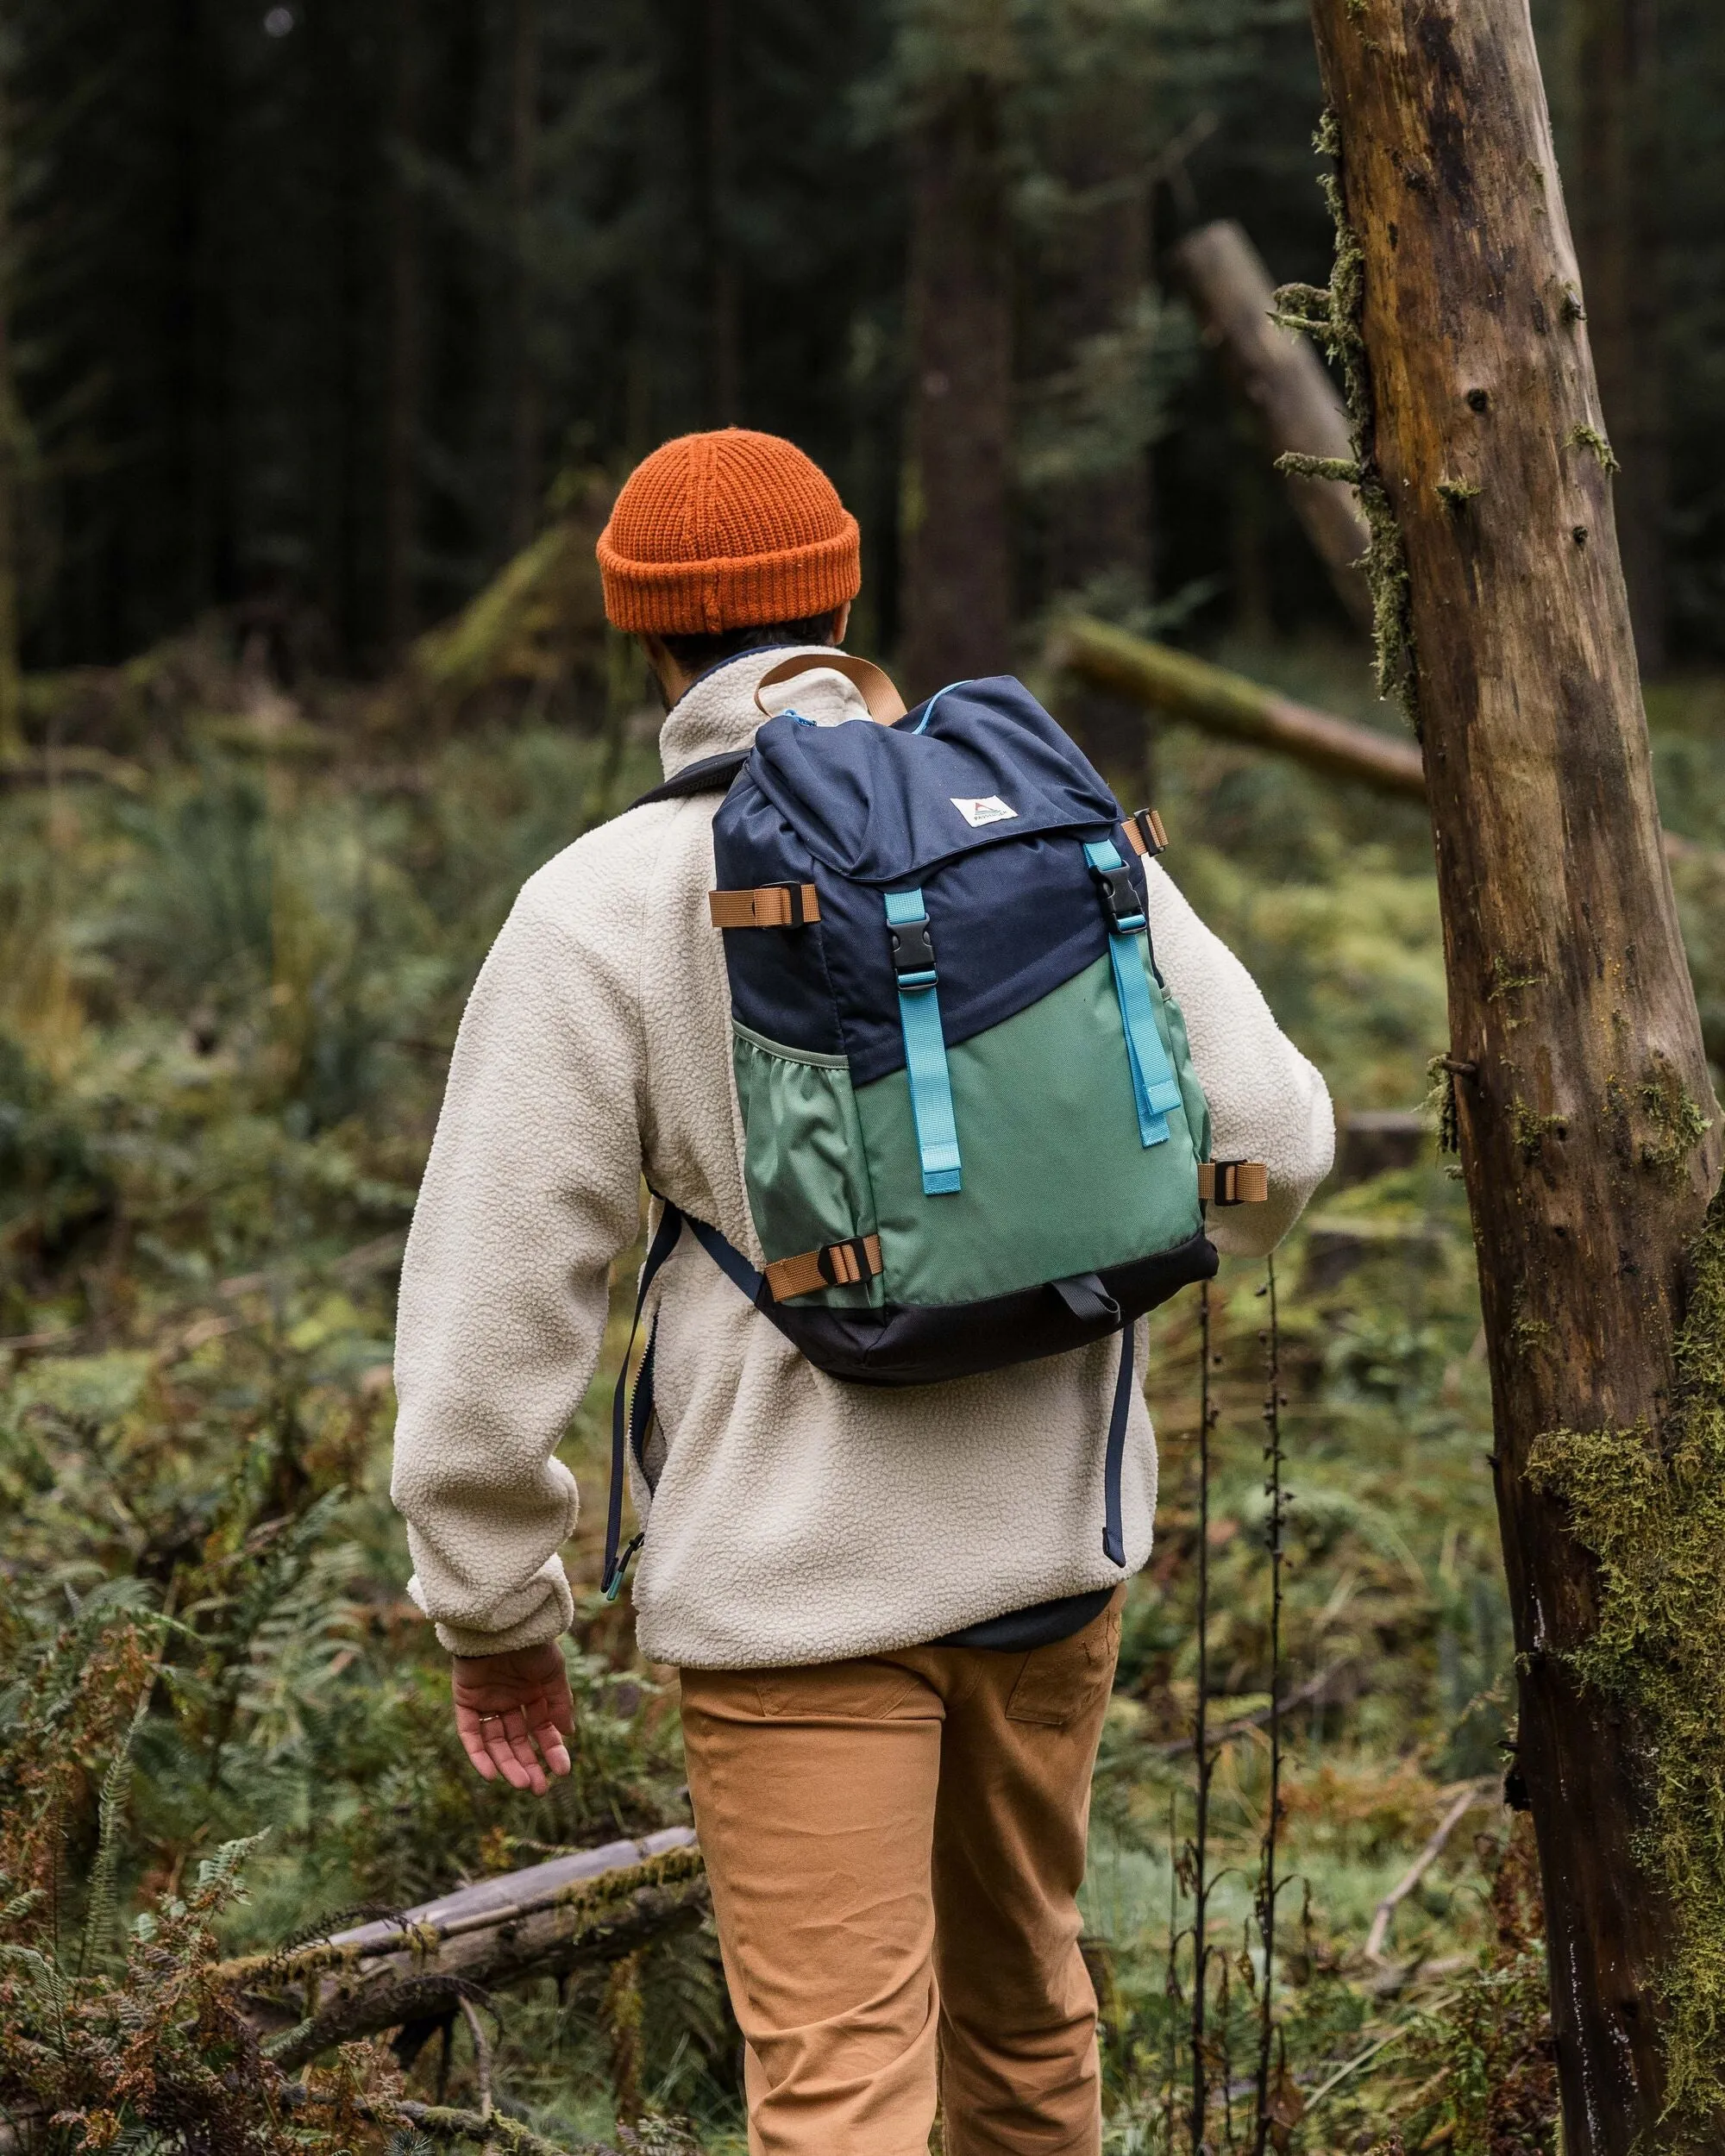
x=711 y=774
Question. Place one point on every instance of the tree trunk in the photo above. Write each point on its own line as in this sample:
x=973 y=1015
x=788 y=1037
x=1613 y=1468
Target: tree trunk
x=1097 y=521
x=1618 y=190
x=12 y=440
x=401 y=424
x=526 y=417
x=957 y=574
x=1282 y=382
x=725 y=323
x=1573 y=1025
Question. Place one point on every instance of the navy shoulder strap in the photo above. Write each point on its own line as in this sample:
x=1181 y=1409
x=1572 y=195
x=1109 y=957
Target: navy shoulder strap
x=711 y=774
x=630 y=1419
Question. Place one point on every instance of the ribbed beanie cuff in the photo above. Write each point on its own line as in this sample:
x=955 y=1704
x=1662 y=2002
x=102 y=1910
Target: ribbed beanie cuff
x=726 y=531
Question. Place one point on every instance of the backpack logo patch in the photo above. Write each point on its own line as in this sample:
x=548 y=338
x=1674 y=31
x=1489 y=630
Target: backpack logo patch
x=990 y=809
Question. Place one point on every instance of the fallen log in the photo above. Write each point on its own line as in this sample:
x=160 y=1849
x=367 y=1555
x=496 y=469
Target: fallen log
x=1282 y=382
x=1216 y=701
x=571 y=1913
x=1181 y=686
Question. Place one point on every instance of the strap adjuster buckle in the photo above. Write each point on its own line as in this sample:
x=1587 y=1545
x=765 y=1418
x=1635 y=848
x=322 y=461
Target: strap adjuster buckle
x=1233 y=1182
x=844 y=1264
x=914 y=955
x=1151 y=838
x=1121 y=902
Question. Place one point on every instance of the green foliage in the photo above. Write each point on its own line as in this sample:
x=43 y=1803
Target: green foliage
x=193 y=1469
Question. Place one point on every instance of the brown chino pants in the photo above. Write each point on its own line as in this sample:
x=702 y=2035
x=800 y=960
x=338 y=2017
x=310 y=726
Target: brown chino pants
x=895 y=1845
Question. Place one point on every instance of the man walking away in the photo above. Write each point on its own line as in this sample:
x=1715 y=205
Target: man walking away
x=895 y=1615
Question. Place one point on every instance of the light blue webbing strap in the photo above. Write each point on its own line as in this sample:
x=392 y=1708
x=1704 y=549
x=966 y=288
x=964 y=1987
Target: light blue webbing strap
x=1155 y=1088
x=937 y=1128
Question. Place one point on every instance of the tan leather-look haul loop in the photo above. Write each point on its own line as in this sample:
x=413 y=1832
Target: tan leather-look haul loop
x=885 y=704
x=773 y=906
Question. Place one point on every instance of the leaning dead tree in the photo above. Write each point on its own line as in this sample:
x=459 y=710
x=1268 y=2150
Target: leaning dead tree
x=1282 y=381
x=1176 y=685
x=1589 y=1139
x=551 y=1920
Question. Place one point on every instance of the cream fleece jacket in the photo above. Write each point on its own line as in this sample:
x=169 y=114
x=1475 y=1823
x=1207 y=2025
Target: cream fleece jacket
x=794 y=1518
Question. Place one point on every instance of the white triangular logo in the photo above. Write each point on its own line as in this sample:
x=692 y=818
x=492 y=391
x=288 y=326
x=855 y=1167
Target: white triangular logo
x=990 y=809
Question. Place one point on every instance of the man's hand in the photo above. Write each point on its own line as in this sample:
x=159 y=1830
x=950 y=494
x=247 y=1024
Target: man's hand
x=505 y=1704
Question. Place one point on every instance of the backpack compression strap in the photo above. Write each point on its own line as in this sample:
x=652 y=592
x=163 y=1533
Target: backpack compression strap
x=1155 y=1088
x=937 y=1128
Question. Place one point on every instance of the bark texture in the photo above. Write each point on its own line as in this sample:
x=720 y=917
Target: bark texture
x=1282 y=381
x=1572 y=1020
x=957 y=582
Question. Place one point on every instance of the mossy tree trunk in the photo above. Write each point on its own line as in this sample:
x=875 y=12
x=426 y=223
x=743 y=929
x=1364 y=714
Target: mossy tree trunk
x=1581 y=1082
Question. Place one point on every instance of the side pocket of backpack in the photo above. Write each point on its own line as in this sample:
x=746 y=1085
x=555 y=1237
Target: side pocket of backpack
x=804 y=1163
x=1191 y=1092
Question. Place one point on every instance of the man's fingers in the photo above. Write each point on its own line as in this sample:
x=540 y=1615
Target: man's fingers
x=502 y=1752
x=525 y=1756
x=549 y=1740
x=473 y=1744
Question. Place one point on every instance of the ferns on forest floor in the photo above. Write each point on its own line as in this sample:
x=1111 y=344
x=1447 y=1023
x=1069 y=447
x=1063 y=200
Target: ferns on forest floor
x=193 y=1473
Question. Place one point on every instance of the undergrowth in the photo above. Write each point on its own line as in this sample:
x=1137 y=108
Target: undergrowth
x=226 y=1004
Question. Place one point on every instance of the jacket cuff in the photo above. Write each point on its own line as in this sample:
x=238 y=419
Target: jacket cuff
x=553 y=1613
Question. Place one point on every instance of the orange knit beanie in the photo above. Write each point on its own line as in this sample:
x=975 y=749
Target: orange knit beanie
x=725 y=530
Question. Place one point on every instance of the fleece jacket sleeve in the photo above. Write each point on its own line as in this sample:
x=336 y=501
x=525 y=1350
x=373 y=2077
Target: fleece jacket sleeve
x=1267 y=1103
x=530 y=1193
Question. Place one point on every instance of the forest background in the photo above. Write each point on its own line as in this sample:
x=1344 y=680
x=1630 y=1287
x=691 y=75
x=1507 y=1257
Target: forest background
x=326 y=331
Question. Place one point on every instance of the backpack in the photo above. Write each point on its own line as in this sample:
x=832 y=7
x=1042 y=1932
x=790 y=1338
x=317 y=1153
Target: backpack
x=973 y=1135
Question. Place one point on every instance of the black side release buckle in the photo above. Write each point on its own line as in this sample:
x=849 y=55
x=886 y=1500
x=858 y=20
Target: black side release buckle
x=1121 y=902
x=912 y=949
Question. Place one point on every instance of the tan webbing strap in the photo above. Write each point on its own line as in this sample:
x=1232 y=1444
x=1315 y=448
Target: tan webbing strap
x=837 y=1265
x=774 y=906
x=884 y=702
x=1144 y=834
x=1233 y=1182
